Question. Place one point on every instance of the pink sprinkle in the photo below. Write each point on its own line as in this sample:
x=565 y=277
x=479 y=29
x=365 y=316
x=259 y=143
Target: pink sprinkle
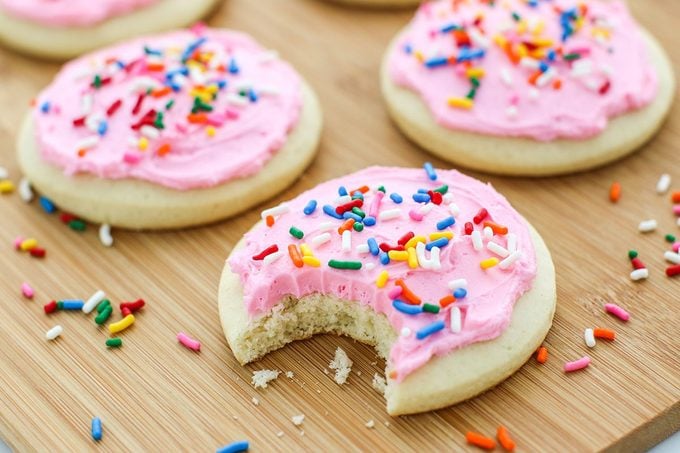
x=375 y=204
x=129 y=158
x=215 y=119
x=415 y=215
x=181 y=127
x=617 y=311
x=676 y=209
x=460 y=69
x=576 y=365
x=17 y=242
x=198 y=28
x=676 y=247
x=394 y=292
x=514 y=99
x=232 y=114
x=27 y=291
x=189 y=342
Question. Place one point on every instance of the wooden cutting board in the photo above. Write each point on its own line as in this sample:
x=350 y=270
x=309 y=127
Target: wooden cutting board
x=152 y=394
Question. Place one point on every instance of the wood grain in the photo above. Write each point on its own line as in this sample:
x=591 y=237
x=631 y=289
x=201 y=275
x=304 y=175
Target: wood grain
x=154 y=395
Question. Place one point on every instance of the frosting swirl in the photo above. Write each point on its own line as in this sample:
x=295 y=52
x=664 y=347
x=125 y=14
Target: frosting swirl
x=71 y=12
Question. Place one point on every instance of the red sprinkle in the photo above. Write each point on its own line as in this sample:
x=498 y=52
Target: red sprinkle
x=469 y=228
x=66 y=217
x=79 y=122
x=605 y=87
x=125 y=311
x=357 y=203
x=138 y=104
x=38 y=252
x=50 y=306
x=268 y=251
x=132 y=306
x=673 y=270
x=481 y=215
x=637 y=263
x=113 y=107
x=435 y=197
x=405 y=238
x=385 y=247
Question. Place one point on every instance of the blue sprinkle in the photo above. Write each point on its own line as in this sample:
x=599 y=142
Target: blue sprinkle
x=233 y=67
x=429 y=169
x=408 y=48
x=421 y=198
x=460 y=293
x=47 y=205
x=441 y=242
x=102 y=128
x=384 y=258
x=467 y=54
x=221 y=84
x=552 y=55
x=445 y=223
x=543 y=66
x=342 y=191
x=97 y=428
x=407 y=308
x=422 y=190
x=45 y=107
x=449 y=27
x=252 y=95
x=330 y=210
x=369 y=221
x=430 y=329
x=72 y=304
x=149 y=51
x=358 y=196
x=120 y=64
x=234 y=447
x=436 y=61
x=351 y=215
x=175 y=87
x=310 y=208
x=373 y=247
x=396 y=198
x=192 y=47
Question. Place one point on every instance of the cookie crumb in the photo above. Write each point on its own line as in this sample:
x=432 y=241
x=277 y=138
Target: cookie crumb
x=387 y=424
x=255 y=401
x=358 y=372
x=342 y=366
x=262 y=378
x=369 y=424
x=289 y=374
x=379 y=383
x=298 y=419
x=279 y=434
x=235 y=417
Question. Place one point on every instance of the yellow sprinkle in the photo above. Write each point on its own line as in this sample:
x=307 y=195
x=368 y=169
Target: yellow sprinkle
x=311 y=261
x=28 y=244
x=412 y=258
x=212 y=89
x=398 y=255
x=542 y=42
x=143 y=143
x=414 y=240
x=382 y=279
x=521 y=26
x=441 y=234
x=419 y=56
x=306 y=251
x=489 y=262
x=500 y=41
x=6 y=186
x=538 y=54
x=538 y=29
x=210 y=131
x=475 y=72
x=461 y=103
x=123 y=324
x=522 y=50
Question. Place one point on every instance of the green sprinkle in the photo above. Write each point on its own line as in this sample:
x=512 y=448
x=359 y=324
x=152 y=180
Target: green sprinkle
x=516 y=17
x=572 y=56
x=97 y=82
x=102 y=305
x=352 y=265
x=114 y=342
x=475 y=82
x=632 y=254
x=431 y=308
x=158 y=123
x=104 y=315
x=169 y=105
x=358 y=212
x=670 y=238
x=296 y=232
x=442 y=190
x=381 y=188
x=472 y=93
x=358 y=226
x=77 y=225
x=60 y=305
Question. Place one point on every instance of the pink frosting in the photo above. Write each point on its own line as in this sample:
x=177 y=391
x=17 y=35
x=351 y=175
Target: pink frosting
x=486 y=309
x=80 y=13
x=252 y=100
x=613 y=74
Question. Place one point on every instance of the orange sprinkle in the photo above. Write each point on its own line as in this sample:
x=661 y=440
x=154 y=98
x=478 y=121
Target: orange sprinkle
x=512 y=55
x=197 y=118
x=269 y=220
x=497 y=229
x=504 y=438
x=542 y=354
x=615 y=192
x=159 y=93
x=82 y=152
x=393 y=374
x=675 y=197
x=557 y=84
x=446 y=301
x=407 y=293
x=347 y=225
x=451 y=60
x=480 y=441
x=534 y=77
x=32 y=102
x=295 y=255
x=606 y=334
x=362 y=189
x=163 y=149
x=155 y=66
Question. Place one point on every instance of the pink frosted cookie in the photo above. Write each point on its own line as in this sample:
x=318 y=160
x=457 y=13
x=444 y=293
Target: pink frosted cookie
x=527 y=87
x=66 y=28
x=435 y=269
x=172 y=130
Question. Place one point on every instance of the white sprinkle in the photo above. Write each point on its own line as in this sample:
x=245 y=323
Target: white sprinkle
x=268 y=90
x=369 y=424
x=362 y=249
x=149 y=132
x=4 y=174
x=533 y=94
x=511 y=112
x=455 y=320
x=454 y=209
x=237 y=100
x=477 y=38
x=435 y=264
x=512 y=242
x=639 y=274
x=132 y=142
x=389 y=214
x=647 y=226
x=255 y=401
x=93 y=301
x=405 y=331
x=87 y=142
x=25 y=191
x=298 y=419
x=86 y=104
x=426 y=208
x=488 y=232
x=53 y=333
x=243 y=85
x=530 y=63
x=267 y=56
x=447 y=198
x=276 y=210
x=497 y=249
x=677 y=222
x=546 y=77
x=326 y=226
x=592 y=85
x=342 y=199
x=143 y=83
x=92 y=122
x=197 y=76
x=262 y=378
x=664 y=183
x=105 y=235
x=346 y=241
x=458 y=283
x=507 y=262
x=320 y=239
x=369 y=266
x=589 y=336
x=477 y=243
x=672 y=257
x=279 y=434
x=506 y=77
x=581 y=68
x=272 y=257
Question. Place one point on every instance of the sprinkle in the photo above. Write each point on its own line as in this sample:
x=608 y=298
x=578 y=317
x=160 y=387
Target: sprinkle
x=669 y=238
x=445 y=223
x=632 y=254
x=617 y=311
x=638 y=264
x=421 y=197
x=269 y=259
x=311 y=261
x=93 y=301
x=407 y=293
x=396 y=198
x=25 y=191
x=481 y=215
x=488 y=263
x=405 y=308
x=664 y=184
x=294 y=254
x=47 y=205
x=310 y=207
x=496 y=228
x=479 y=440
x=53 y=333
x=460 y=293
x=105 y=235
x=430 y=329
x=71 y=304
x=672 y=257
x=511 y=244
x=28 y=244
x=122 y=324
x=415 y=215
x=477 y=243
x=589 y=337
x=605 y=334
x=96 y=429
x=320 y=239
x=497 y=249
x=296 y=232
x=647 y=226
x=542 y=354
x=242 y=445
x=429 y=169
x=389 y=214
x=275 y=211
x=441 y=242
x=350 y=265
x=510 y=260
x=487 y=232
x=672 y=271
x=398 y=255
x=27 y=290
x=412 y=258
x=4 y=174
x=504 y=438
x=460 y=103
x=576 y=365
x=188 y=342
x=639 y=274
x=468 y=228
x=458 y=283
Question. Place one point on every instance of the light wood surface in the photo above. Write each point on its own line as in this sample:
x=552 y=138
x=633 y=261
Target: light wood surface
x=154 y=395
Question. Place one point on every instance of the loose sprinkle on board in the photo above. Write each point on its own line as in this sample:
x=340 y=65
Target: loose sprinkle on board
x=479 y=440
x=188 y=342
x=234 y=447
x=96 y=429
x=576 y=365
